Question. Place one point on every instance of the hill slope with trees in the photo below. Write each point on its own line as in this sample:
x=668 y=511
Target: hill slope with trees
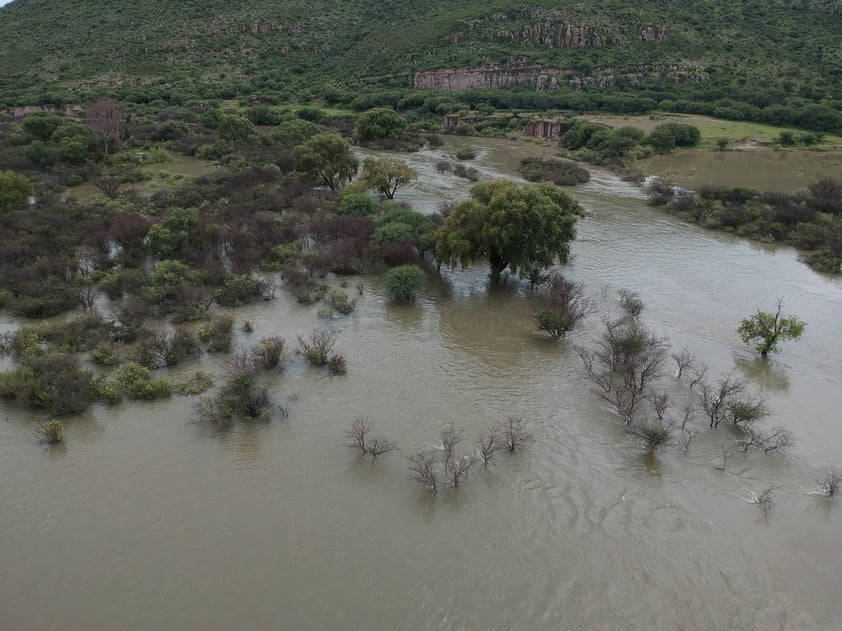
x=52 y=50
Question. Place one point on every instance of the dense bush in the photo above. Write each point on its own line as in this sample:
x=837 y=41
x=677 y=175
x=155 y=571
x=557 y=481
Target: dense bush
x=555 y=171
x=404 y=282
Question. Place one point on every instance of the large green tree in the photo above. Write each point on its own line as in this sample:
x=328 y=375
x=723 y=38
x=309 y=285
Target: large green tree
x=14 y=191
x=380 y=123
x=327 y=157
x=766 y=330
x=519 y=227
x=387 y=175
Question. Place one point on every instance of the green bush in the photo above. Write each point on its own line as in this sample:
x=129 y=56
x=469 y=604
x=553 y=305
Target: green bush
x=239 y=289
x=358 y=205
x=53 y=432
x=403 y=282
x=193 y=383
x=218 y=334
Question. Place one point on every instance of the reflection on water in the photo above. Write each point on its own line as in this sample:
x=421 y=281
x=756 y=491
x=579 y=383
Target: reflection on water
x=148 y=518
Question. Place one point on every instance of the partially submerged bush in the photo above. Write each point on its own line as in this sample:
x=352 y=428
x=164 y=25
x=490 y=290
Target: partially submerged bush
x=240 y=397
x=52 y=382
x=403 y=282
x=52 y=432
x=556 y=171
x=195 y=382
x=317 y=347
x=239 y=289
x=218 y=334
x=269 y=353
x=135 y=382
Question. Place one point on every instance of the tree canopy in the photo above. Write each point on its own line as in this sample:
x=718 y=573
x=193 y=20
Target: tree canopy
x=766 y=330
x=14 y=191
x=380 y=123
x=387 y=175
x=519 y=227
x=327 y=157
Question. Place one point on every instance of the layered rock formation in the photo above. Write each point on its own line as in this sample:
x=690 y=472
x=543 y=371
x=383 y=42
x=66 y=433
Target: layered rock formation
x=544 y=78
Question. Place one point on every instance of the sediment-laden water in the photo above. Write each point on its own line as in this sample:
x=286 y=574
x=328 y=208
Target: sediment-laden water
x=146 y=519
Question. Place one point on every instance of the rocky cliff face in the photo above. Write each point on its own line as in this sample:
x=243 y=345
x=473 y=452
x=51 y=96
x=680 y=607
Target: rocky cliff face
x=544 y=78
x=549 y=30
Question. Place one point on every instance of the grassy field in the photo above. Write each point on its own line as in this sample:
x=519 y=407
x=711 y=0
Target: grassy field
x=712 y=129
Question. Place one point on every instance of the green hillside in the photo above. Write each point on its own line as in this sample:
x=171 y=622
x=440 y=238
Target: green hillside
x=52 y=49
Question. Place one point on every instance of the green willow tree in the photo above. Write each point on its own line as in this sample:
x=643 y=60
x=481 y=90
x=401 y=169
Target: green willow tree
x=766 y=330
x=519 y=227
x=327 y=157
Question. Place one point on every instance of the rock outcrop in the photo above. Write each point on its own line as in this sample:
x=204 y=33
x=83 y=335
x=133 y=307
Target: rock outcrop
x=549 y=30
x=540 y=77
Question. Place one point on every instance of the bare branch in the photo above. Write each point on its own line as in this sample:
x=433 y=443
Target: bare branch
x=830 y=480
x=514 y=433
x=422 y=469
x=490 y=442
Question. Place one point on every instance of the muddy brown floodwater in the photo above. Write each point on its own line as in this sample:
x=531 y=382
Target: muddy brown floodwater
x=147 y=520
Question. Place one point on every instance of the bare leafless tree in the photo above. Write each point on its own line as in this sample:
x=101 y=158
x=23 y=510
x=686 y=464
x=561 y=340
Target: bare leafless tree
x=830 y=480
x=776 y=439
x=631 y=304
x=514 y=433
x=715 y=399
x=684 y=360
x=108 y=186
x=562 y=307
x=490 y=442
x=660 y=402
x=766 y=501
x=687 y=435
x=360 y=437
x=459 y=468
x=697 y=374
x=626 y=361
x=379 y=445
x=450 y=437
x=106 y=117
x=87 y=297
x=358 y=434
x=726 y=456
x=422 y=469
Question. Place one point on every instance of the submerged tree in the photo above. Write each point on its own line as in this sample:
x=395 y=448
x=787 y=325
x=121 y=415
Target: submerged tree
x=519 y=227
x=766 y=330
x=562 y=308
x=387 y=175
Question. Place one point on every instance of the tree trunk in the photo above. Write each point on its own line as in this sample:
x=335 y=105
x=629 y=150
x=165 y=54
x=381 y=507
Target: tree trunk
x=498 y=264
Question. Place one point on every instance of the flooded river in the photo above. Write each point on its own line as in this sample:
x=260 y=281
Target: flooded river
x=147 y=520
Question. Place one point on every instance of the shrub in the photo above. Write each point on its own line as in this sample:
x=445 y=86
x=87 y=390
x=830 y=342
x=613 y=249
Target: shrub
x=218 y=334
x=240 y=397
x=193 y=383
x=135 y=381
x=52 y=432
x=555 y=171
x=337 y=365
x=469 y=173
x=466 y=154
x=269 y=353
x=239 y=289
x=358 y=205
x=53 y=382
x=316 y=349
x=339 y=302
x=403 y=282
